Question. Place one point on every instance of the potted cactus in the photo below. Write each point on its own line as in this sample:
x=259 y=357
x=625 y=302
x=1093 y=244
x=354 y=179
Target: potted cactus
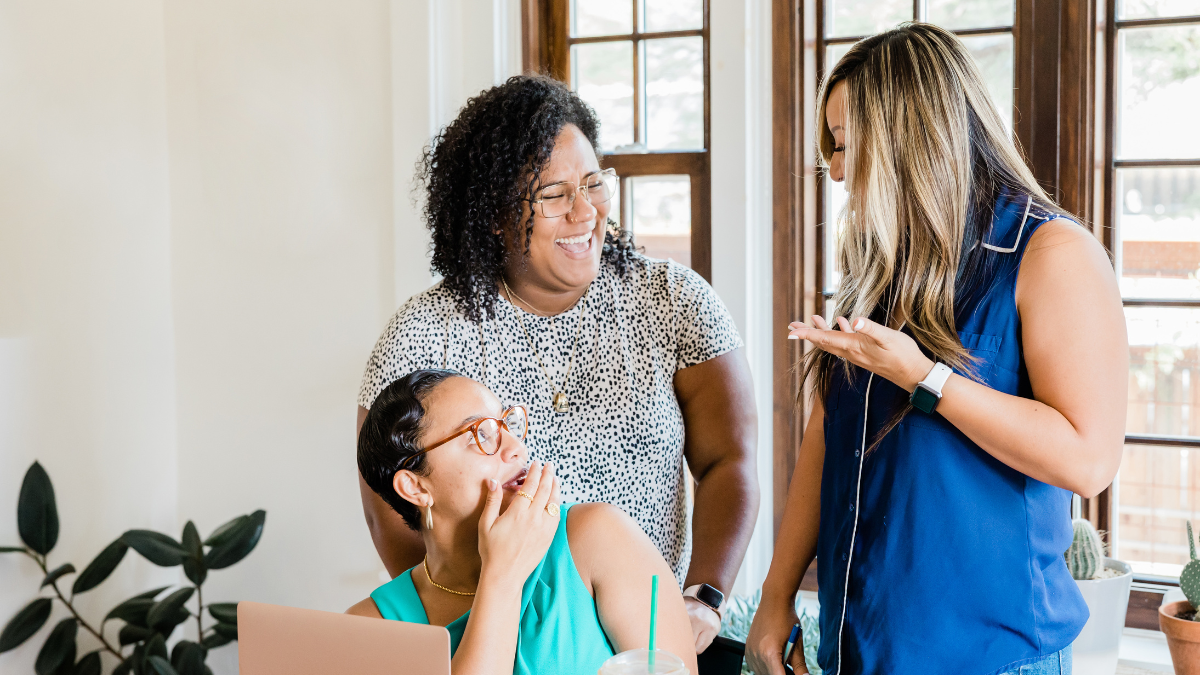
x=1180 y=621
x=1104 y=583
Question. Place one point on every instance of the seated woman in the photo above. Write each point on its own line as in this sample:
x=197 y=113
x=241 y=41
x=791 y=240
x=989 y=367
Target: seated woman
x=522 y=585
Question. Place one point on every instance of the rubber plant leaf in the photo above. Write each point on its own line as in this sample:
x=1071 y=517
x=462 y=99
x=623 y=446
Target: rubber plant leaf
x=101 y=567
x=167 y=608
x=193 y=563
x=57 y=573
x=160 y=665
x=37 y=515
x=156 y=547
x=239 y=542
x=27 y=622
x=224 y=611
x=59 y=648
x=88 y=665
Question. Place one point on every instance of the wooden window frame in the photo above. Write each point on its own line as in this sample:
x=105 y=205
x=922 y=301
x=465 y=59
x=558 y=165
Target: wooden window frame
x=546 y=48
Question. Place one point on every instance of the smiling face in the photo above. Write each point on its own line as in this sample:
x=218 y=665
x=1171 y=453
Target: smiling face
x=564 y=252
x=455 y=482
x=835 y=120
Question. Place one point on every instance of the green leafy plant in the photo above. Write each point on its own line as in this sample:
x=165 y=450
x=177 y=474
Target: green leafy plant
x=739 y=614
x=147 y=619
x=1189 y=578
x=1085 y=557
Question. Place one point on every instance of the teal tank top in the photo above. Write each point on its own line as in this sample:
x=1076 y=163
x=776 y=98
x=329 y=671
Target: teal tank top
x=560 y=630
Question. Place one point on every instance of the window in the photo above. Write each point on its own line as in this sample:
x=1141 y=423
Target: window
x=1153 y=216
x=985 y=26
x=643 y=67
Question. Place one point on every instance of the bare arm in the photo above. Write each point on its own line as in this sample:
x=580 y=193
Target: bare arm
x=398 y=545
x=1071 y=433
x=616 y=561
x=1077 y=353
x=795 y=548
x=717 y=400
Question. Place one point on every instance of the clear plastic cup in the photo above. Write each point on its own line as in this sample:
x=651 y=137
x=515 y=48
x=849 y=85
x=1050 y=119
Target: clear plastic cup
x=637 y=662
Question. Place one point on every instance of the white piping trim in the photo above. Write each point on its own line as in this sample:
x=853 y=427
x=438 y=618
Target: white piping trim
x=1022 y=229
x=862 y=456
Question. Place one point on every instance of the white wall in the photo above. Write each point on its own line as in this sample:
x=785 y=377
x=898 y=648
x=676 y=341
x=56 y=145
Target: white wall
x=86 y=336
x=206 y=217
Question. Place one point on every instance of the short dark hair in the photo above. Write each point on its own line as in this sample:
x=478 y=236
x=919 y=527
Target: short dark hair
x=476 y=173
x=387 y=441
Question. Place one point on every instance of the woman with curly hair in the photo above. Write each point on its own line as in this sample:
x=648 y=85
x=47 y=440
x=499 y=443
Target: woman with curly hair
x=615 y=355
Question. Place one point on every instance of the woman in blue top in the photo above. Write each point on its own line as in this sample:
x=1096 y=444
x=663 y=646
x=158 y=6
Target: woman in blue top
x=522 y=584
x=974 y=378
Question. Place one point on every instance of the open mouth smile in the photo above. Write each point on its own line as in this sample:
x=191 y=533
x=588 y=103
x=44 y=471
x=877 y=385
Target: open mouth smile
x=516 y=482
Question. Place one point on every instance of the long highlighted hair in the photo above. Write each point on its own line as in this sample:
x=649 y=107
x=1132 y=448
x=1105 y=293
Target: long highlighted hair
x=926 y=156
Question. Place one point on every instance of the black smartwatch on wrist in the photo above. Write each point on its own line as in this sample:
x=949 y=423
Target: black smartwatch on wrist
x=929 y=391
x=708 y=596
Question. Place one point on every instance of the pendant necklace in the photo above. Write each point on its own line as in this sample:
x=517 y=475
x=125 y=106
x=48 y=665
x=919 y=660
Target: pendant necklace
x=558 y=400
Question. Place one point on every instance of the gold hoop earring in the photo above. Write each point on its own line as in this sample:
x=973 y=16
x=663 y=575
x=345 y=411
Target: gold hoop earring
x=429 y=517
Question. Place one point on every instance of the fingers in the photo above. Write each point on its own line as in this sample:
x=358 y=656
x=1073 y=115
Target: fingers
x=545 y=487
x=491 y=507
x=796 y=659
x=819 y=322
x=533 y=479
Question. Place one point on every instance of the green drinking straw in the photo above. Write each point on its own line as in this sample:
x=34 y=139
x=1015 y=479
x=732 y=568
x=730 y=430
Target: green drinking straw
x=653 y=616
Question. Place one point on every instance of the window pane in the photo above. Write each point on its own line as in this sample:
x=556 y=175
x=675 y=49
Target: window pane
x=662 y=216
x=835 y=200
x=834 y=53
x=1158 y=87
x=864 y=17
x=1142 y=9
x=959 y=14
x=1156 y=491
x=674 y=77
x=1164 y=383
x=1158 y=232
x=660 y=15
x=994 y=55
x=601 y=17
x=602 y=73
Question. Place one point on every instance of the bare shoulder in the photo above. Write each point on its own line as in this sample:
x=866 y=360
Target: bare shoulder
x=1062 y=255
x=365 y=608
x=597 y=525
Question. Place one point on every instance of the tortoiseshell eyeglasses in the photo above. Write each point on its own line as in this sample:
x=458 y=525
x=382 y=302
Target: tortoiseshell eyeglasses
x=486 y=431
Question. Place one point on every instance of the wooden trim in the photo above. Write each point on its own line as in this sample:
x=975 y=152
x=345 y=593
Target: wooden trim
x=656 y=163
x=1158 y=21
x=791 y=63
x=1160 y=302
x=1143 y=609
x=1155 y=439
x=1154 y=163
x=626 y=37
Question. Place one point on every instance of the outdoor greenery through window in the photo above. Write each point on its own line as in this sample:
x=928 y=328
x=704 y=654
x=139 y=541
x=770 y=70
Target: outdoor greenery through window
x=1155 y=178
x=641 y=64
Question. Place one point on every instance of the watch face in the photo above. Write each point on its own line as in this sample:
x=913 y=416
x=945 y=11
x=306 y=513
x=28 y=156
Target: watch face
x=709 y=596
x=923 y=399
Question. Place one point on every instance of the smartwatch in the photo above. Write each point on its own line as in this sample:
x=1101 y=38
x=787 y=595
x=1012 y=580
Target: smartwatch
x=929 y=391
x=708 y=596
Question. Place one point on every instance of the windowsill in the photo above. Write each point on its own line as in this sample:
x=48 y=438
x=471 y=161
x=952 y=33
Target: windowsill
x=1144 y=651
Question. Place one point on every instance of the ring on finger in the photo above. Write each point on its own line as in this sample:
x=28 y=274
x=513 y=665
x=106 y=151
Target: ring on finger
x=552 y=509
x=526 y=495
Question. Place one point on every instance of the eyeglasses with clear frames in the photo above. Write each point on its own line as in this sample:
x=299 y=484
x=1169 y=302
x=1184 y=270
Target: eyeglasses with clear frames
x=485 y=432
x=558 y=199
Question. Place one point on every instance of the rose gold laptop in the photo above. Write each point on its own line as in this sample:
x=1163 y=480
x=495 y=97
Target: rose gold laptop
x=274 y=640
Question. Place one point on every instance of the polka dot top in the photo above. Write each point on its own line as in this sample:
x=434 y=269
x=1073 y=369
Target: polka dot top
x=621 y=440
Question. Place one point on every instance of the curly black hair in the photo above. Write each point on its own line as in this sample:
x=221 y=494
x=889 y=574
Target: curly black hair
x=477 y=171
x=388 y=440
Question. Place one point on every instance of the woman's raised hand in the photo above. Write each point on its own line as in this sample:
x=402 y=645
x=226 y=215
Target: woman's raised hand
x=511 y=544
x=888 y=353
x=768 y=637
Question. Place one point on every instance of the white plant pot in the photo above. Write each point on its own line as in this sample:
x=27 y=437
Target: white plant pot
x=1097 y=648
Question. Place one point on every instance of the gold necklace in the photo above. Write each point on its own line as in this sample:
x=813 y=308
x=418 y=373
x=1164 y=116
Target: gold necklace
x=436 y=584
x=558 y=400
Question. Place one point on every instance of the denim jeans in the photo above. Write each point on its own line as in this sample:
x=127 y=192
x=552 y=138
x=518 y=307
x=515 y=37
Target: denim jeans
x=1054 y=664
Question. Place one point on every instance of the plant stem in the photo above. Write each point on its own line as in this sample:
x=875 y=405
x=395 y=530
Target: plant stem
x=199 y=614
x=42 y=564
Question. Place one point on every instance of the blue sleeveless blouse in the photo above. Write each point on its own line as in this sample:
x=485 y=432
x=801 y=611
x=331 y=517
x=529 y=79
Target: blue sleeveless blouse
x=933 y=556
x=560 y=629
